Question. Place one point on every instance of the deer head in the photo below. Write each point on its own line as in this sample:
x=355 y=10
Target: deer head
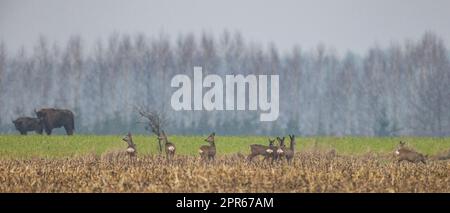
x=401 y=145
x=281 y=141
x=210 y=138
x=292 y=137
x=128 y=138
x=271 y=142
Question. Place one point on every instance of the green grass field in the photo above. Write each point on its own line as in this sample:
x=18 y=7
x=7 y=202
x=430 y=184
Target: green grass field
x=57 y=146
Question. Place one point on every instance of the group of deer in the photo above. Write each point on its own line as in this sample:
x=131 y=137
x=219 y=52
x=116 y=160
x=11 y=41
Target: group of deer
x=273 y=152
x=168 y=146
x=207 y=152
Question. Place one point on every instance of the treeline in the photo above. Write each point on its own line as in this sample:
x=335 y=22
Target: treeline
x=403 y=89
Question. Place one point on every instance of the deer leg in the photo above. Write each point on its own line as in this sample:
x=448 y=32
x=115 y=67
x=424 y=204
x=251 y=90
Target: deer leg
x=250 y=157
x=202 y=157
x=267 y=156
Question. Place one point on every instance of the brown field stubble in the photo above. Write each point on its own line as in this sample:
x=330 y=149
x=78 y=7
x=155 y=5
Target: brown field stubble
x=310 y=172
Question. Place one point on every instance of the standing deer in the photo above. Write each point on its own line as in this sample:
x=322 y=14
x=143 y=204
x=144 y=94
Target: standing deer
x=289 y=153
x=258 y=149
x=208 y=152
x=405 y=154
x=280 y=150
x=169 y=147
x=131 y=149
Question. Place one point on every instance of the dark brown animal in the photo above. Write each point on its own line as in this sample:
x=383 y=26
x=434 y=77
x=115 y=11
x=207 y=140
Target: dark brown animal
x=258 y=149
x=208 y=152
x=405 y=154
x=25 y=124
x=54 y=118
x=289 y=153
x=131 y=149
x=169 y=147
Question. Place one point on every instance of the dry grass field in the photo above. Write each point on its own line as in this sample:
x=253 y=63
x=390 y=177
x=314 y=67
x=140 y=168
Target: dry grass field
x=310 y=172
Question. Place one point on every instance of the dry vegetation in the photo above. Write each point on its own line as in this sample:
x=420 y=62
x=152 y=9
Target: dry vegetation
x=310 y=172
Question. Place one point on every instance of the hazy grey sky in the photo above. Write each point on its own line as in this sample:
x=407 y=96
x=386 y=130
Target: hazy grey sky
x=344 y=24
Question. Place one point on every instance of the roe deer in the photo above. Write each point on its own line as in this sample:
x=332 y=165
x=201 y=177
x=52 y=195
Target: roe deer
x=169 y=146
x=289 y=153
x=442 y=155
x=131 y=149
x=406 y=154
x=258 y=149
x=208 y=151
x=280 y=150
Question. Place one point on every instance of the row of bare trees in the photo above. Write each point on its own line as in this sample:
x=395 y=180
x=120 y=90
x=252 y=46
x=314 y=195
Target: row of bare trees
x=402 y=89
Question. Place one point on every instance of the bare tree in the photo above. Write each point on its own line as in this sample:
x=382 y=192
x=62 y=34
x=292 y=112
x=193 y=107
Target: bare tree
x=155 y=122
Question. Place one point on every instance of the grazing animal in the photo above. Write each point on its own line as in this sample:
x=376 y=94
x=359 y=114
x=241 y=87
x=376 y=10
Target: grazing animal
x=54 y=118
x=258 y=149
x=25 y=124
x=405 y=154
x=208 y=152
x=169 y=147
x=131 y=149
x=289 y=153
x=442 y=156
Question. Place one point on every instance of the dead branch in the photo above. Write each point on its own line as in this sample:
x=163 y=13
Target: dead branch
x=155 y=121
